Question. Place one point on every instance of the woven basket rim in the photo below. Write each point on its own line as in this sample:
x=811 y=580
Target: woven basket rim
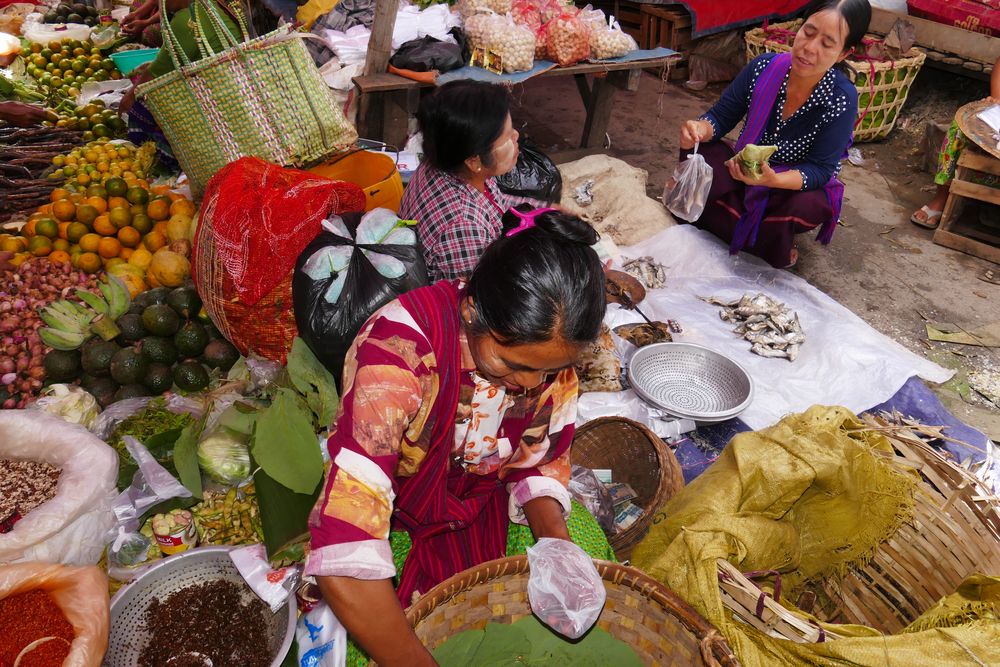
x=911 y=57
x=638 y=582
x=670 y=471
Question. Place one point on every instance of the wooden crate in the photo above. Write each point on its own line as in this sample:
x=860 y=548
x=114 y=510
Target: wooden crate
x=668 y=26
x=957 y=231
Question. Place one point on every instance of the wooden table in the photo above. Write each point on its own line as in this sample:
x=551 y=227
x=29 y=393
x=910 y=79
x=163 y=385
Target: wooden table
x=959 y=232
x=388 y=101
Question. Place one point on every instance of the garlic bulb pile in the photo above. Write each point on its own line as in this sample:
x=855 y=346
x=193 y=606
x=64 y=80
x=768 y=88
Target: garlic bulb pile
x=609 y=43
x=568 y=41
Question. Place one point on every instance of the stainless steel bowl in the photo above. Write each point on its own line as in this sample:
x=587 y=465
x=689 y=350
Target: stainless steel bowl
x=690 y=381
x=197 y=566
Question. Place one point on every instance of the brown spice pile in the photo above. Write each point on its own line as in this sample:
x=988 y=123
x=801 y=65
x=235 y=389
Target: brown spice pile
x=24 y=485
x=211 y=619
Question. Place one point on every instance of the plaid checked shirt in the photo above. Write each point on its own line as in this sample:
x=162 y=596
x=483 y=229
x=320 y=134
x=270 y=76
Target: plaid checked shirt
x=455 y=221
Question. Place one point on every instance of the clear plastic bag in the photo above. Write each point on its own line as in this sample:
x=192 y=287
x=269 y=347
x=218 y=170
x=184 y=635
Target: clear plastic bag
x=686 y=193
x=515 y=44
x=118 y=412
x=589 y=492
x=609 y=41
x=567 y=40
x=564 y=588
x=69 y=528
x=476 y=26
x=82 y=595
x=72 y=403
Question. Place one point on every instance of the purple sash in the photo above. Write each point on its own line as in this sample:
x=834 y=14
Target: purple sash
x=762 y=102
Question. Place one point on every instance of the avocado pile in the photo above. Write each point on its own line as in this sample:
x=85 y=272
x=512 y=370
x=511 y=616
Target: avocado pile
x=163 y=345
x=73 y=12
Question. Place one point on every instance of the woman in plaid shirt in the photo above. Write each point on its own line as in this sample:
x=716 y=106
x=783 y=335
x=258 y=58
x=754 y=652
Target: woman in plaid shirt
x=468 y=141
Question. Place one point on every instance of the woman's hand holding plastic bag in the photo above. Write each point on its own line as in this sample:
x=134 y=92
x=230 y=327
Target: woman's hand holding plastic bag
x=564 y=588
x=686 y=193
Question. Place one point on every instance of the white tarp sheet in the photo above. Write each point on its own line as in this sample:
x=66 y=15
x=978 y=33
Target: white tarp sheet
x=844 y=361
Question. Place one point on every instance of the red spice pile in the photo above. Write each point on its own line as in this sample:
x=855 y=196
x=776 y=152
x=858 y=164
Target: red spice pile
x=26 y=617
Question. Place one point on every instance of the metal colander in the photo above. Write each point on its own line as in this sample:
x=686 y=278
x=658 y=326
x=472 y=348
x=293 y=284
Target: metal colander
x=197 y=566
x=690 y=381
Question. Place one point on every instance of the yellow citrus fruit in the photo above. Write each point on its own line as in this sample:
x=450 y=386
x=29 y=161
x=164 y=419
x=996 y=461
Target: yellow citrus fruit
x=100 y=203
x=57 y=194
x=76 y=231
x=129 y=237
x=117 y=202
x=60 y=244
x=83 y=179
x=63 y=229
x=142 y=223
x=116 y=187
x=137 y=195
x=104 y=226
x=126 y=253
x=108 y=247
x=64 y=209
x=141 y=258
x=40 y=246
x=89 y=262
x=113 y=262
x=182 y=207
x=158 y=209
x=59 y=256
x=90 y=242
x=178 y=227
x=120 y=217
x=13 y=244
x=47 y=227
x=87 y=214
x=154 y=240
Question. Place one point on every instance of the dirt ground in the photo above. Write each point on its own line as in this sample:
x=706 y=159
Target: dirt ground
x=881 y=266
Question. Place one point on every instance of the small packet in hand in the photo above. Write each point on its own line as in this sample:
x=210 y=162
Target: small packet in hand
x=752 y=158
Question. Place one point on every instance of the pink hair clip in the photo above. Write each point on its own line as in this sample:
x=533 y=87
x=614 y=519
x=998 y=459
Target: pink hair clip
x=527 y=219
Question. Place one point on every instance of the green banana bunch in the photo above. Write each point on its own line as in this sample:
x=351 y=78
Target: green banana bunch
x=71 y=324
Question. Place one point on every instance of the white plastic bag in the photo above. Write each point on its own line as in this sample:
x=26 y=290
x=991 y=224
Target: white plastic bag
x=564 y=588
x=321 y=638
x=686 y=193
x=43 y=33
x=69 y=528
x=272 y=586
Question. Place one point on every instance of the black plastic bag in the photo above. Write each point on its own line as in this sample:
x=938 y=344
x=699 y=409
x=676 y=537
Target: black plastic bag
x=534 y=176
x=328 y=328
x=426 y=54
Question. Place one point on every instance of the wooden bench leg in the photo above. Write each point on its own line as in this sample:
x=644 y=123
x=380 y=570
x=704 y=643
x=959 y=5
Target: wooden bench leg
x=599 y=104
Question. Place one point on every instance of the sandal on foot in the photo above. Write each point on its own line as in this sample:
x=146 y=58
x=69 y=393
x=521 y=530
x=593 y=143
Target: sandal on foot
x=931 y=219
x=794 y=257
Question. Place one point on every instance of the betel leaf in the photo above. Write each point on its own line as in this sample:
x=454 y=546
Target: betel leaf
x=186 y=457
x=285 y=445
x=314 y=382
x=239 y=417
x=284 y=514
x=459 y=650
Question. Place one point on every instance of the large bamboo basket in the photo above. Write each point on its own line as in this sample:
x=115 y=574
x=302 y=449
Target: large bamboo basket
x=661 y=628
x=639 y=458
x=955 y=533
x=882 y=85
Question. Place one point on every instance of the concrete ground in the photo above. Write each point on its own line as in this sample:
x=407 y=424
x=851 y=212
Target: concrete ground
x=880 y=265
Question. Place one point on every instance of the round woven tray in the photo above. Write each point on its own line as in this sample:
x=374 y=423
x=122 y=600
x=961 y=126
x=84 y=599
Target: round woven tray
x=643 y=613
x=638 y=457
x=882 y=86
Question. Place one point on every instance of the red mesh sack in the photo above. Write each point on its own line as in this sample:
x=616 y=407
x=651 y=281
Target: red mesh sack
x=256 y=218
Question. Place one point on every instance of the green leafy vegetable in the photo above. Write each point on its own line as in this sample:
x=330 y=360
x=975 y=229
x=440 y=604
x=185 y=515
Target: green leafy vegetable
x=284 y=514
x=285 y=444
x=314 y=382
x=186 y=457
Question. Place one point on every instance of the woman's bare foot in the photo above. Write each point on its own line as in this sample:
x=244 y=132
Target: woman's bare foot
x=793 y=257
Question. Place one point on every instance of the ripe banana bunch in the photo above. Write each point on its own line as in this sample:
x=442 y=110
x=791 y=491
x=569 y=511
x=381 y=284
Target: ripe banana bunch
x=71 y=324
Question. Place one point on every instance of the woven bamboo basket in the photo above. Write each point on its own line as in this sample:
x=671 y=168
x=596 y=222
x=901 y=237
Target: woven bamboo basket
x=643 y=613
x=882 y=85
x=955 y=532
x=638 y=457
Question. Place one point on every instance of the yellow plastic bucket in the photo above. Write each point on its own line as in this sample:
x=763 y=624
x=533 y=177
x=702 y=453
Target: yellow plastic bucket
x=374 y=172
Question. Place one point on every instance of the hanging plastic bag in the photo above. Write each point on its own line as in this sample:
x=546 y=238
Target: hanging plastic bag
x=82 y=595
x=353 y=268
x=321 y=638
x=610 y=41
x=564 y=588
x=69 y=528
x=567 y=40
x=686 y=193
x=534 y=176
x=427 y=54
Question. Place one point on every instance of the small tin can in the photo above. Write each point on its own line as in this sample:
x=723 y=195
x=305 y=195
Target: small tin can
x=174 y=531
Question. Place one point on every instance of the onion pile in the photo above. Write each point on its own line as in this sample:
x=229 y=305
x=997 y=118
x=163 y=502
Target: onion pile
x=513 y=43
x=568 y=40
x=24 y=291
x=611 y=43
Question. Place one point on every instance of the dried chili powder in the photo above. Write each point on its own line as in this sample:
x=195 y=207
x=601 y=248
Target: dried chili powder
x=26 y=617
x=215 y=619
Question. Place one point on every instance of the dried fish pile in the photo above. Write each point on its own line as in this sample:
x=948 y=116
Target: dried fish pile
x=25 y=155
x=648 y=271
x=767 y=324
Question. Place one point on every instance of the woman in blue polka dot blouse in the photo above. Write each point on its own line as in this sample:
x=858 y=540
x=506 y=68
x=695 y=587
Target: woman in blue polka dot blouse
x=802 y=103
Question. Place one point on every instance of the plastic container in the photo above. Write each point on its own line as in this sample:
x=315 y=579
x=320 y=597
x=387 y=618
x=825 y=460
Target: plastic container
x=128 y=61
x=373 y=171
